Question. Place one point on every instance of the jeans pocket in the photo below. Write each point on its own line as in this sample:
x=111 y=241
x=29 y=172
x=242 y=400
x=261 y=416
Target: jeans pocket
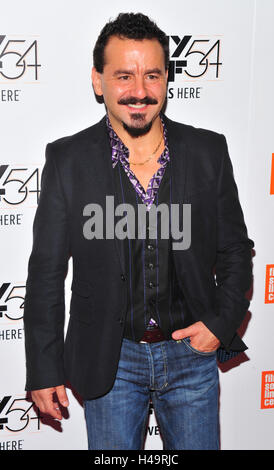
x=196 y=351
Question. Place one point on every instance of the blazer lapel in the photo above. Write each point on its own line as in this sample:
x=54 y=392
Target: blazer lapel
x=178 y=161
x=105 y=151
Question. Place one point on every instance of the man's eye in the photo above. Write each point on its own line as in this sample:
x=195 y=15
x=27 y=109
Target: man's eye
x=123 y=77
x=152 y=77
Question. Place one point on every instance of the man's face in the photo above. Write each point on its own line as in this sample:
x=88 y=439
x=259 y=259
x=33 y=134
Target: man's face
x=133 y=83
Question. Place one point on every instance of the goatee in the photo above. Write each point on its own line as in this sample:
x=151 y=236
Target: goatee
x=137 y=131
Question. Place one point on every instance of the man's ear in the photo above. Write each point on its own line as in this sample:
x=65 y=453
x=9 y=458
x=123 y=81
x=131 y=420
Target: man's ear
x=96 y=81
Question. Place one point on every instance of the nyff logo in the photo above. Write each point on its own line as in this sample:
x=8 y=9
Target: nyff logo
x=16 y=184
x=193 y=58
x=17 y=414
x=11 y=301
x=18 y=58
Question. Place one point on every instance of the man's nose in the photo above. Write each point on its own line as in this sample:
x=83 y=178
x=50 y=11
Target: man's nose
x=139 y=89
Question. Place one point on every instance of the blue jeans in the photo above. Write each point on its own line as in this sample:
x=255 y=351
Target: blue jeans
x=183 y=385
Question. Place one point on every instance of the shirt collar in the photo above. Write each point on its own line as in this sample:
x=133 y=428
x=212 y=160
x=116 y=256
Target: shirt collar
x=120 y=152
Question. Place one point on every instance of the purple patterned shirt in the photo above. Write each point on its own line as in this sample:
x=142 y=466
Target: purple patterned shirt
x=121 y=152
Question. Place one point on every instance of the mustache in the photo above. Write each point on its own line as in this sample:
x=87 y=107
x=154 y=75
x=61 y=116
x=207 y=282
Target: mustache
x=134 y=100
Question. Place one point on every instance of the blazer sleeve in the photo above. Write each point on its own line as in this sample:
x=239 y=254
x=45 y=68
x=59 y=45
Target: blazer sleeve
x=44 y=307
x=233 y=267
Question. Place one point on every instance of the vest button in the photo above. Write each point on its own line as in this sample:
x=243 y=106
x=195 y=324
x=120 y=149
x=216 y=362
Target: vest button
x=123 y=277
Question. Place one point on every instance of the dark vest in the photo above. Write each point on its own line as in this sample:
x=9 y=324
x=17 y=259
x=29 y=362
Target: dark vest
x=153 y=291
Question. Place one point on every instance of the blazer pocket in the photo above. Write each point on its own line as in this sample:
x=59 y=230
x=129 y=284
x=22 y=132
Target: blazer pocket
x=200 y=189
x=81 y=306
x=81 y=287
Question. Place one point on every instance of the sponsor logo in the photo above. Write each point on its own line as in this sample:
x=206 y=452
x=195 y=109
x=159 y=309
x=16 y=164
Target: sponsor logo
x=269 y=284
x=272 y=176
x=267 y=395
x=152 y=430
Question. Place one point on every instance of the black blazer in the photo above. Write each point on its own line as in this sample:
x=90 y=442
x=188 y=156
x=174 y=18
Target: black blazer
x=78 y=171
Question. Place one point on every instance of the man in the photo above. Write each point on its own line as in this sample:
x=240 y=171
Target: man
x=147 y=315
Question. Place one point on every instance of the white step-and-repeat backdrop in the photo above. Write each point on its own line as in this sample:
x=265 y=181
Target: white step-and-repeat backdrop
x=221 y=78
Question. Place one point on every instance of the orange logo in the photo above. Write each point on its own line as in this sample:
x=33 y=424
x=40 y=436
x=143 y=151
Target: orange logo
x=267 y=399
x=272 y=176
x=269 y=284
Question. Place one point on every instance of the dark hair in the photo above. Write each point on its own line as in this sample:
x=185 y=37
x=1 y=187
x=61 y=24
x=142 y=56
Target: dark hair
x=131 y=26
